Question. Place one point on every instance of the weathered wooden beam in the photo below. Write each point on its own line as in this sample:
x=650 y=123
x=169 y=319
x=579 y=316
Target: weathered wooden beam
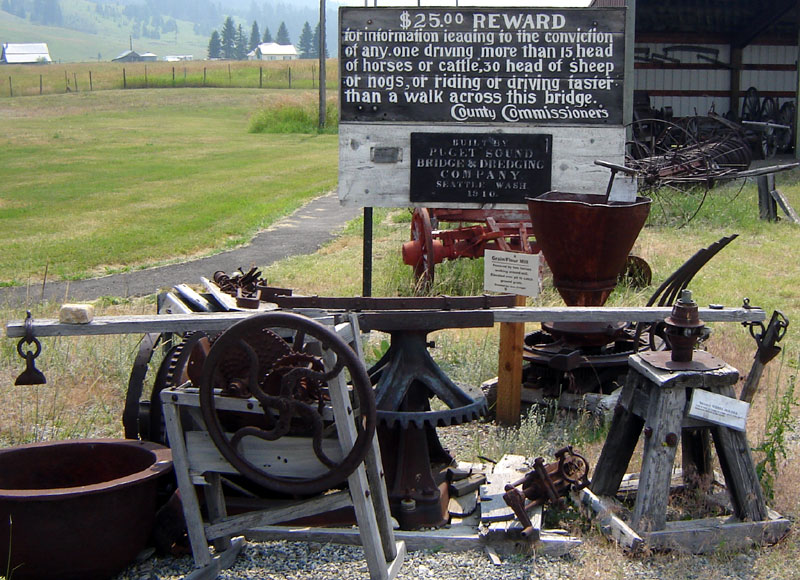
x=219 y=321
x=509 y=370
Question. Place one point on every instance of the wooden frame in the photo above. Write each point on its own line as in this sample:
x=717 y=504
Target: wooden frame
x=197 y=464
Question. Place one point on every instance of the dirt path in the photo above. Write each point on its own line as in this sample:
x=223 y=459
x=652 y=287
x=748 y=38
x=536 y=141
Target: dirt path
x=303 y=232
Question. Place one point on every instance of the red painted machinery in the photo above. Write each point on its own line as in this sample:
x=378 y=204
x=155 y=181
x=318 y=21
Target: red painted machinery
x=478 y=230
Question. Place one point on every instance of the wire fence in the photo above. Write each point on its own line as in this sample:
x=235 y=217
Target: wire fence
x=45 y=79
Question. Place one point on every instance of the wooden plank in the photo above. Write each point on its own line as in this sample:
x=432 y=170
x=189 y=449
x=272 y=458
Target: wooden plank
x=364 y=183
x=709 y=534
x=375 y=552
x=725 y=376
x=283 y=513
x=374 y=465
x=218 y=563
x=509 y=469
x=619 y=313
x=623 y=435
x=190 y=503
x=219 y=321
x=137 y=324
x=509 y=370
x=284 y=457
x=455 y=539
x=610 y=524
x=784 y=204
x=665 y=418
x=467 y=485
x=493 y=557
x=736 y=461
x=463 y=506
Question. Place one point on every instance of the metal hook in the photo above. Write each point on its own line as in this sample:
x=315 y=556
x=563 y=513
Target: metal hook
x=31 y=375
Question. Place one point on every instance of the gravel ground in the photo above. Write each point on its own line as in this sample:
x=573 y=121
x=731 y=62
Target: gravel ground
x=313 y=561
x=595 y=558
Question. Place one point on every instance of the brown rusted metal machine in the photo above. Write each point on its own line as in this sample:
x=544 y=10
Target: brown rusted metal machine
x=506 y=230
x=585 y=240
x=546 y=483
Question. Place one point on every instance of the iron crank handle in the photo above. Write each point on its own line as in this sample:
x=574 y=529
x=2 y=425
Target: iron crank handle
x=614 y=167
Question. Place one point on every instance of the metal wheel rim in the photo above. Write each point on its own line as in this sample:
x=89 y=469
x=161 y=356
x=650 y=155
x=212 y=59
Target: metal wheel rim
x=345 y=359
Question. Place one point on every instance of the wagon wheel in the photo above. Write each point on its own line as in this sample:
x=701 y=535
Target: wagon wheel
x=422 y=232
x=292 y=398
x=751 y=105
x=769 y=109
x=785 y=138
x=670 y=167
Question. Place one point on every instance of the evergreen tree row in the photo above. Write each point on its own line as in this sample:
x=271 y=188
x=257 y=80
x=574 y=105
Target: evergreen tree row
x=234 y=45
x=47 y=12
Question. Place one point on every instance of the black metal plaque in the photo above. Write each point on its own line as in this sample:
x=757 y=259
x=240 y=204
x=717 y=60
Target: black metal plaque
x=479 y=167
x=463 y=65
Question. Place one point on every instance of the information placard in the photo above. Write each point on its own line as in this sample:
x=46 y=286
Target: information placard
x=718 y=409
x=479 y=167
x=511 y=272
x=505 y=65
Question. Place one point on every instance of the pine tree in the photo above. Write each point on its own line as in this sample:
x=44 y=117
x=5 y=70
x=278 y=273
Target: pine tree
x=283 y=35
x=255 y=36
x=314 y=52
x=214 y=46
x=241 y=44
x=228 y=39
x=267 y=36
x=304 y=44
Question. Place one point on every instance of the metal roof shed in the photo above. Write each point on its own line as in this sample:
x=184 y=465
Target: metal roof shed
x=695 y=54
x=30 y=53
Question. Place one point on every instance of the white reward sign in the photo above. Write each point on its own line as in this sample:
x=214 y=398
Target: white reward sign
x=719 y=409
x=511 y=272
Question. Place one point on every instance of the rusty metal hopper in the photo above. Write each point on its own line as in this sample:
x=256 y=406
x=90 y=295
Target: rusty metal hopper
x=585 y=240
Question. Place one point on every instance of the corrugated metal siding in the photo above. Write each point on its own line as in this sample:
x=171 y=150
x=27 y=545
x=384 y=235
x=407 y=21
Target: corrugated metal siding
x=658 y=81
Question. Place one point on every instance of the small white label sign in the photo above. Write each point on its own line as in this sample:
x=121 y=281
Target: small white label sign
x=719 y=409
x=511 y=272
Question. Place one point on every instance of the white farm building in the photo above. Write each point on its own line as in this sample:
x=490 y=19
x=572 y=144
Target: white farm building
x=30 y=53
x=273 y=51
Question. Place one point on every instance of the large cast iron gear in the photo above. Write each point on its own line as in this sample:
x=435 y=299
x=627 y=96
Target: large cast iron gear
x=171 y=373
x=289 y=407
x=406 y=378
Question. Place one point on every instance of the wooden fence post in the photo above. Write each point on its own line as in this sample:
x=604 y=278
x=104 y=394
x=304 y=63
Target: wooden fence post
x=173 y=76
x=75 y=78
x=261 y=77
x=509 y=370
x=204 y=76
x=91 y=84
x=124 y=79
x=145 y=77
x=290 y=77
x=767 y=207
x=10 y=87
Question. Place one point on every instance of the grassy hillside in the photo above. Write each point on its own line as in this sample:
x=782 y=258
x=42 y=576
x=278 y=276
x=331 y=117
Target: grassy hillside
x=93 y=35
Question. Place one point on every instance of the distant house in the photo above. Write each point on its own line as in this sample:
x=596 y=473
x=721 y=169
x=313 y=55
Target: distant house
x=133 y=56
x=273 y=51
x=178 y=57
x=32 y=53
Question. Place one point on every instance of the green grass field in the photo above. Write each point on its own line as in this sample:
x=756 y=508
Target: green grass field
x=100 y=182
x=33 y=80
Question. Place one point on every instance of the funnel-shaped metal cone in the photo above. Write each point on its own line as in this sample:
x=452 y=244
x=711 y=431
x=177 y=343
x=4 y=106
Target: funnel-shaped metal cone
x=585 y=240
